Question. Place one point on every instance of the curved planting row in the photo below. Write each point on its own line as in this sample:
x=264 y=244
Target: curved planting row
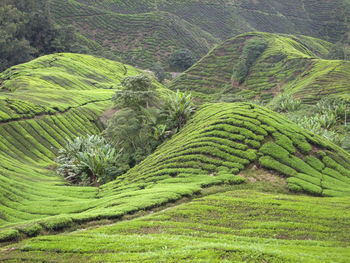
x=224 y=139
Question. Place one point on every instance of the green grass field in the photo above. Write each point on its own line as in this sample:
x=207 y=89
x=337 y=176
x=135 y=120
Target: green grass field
x=290 y=64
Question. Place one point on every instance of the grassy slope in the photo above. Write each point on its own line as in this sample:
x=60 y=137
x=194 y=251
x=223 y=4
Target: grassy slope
x=224 y=139
x=43 y=102
x=234 y=226
x=291 y=64
x=140 y=39
x=41 y=107
x=220 y=141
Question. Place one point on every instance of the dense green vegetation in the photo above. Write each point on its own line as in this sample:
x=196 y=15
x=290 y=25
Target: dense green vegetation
x=235 y=226
x=220 y=141
x=290 y=64
x=27 y=26
x=109 y=28
x=245 y=158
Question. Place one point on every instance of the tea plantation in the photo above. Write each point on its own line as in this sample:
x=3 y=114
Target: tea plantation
x=161 y=27
x=242 y=172
x=140 y=39
x=234 y=226
x=288 y=64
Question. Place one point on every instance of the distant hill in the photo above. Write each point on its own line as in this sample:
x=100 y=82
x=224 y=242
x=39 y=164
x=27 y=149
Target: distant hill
x=290 y=64
x=139 y=39
x=142 y=32
x=224 y=18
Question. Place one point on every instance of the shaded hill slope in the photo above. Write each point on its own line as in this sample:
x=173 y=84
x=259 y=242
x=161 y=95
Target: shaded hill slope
x=288 y=64
x=142 y=32
x=223 y=19
x=140 y=39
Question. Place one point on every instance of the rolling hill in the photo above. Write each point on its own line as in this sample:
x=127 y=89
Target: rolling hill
x=139 y=39
x=160 y=27
x=289 y=64
x=245 y=157
x=224 y=19
x=221 y=141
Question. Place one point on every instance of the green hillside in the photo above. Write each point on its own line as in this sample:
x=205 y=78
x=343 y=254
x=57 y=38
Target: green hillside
x=238 y=149
x=225 y=18
x=43 y=103
x=160 y=27
x=235 y=226
x=140 y=39
x=289 y=64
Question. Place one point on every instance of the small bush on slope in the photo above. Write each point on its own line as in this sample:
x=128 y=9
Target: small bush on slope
x=88 y=161
x=285 y=103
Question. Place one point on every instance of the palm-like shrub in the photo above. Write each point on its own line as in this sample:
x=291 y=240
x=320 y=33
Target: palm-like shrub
x=180 y=108
x=88 y=161
x=321 y=125
x=340 y=108
x=285 y=103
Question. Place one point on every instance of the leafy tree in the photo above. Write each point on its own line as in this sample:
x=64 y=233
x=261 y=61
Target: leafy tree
x=182 y=59
x=180 y=108
x=12 y=40
x=26 y=26
x=137 y=92
x=89 y=161
x=136 y=131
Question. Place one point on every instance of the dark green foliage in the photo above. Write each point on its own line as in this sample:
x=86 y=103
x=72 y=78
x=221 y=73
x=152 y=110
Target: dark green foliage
x=136 y=134
x=252 y=50
x=136 y=92
x=26 y=26
x=182 y=59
